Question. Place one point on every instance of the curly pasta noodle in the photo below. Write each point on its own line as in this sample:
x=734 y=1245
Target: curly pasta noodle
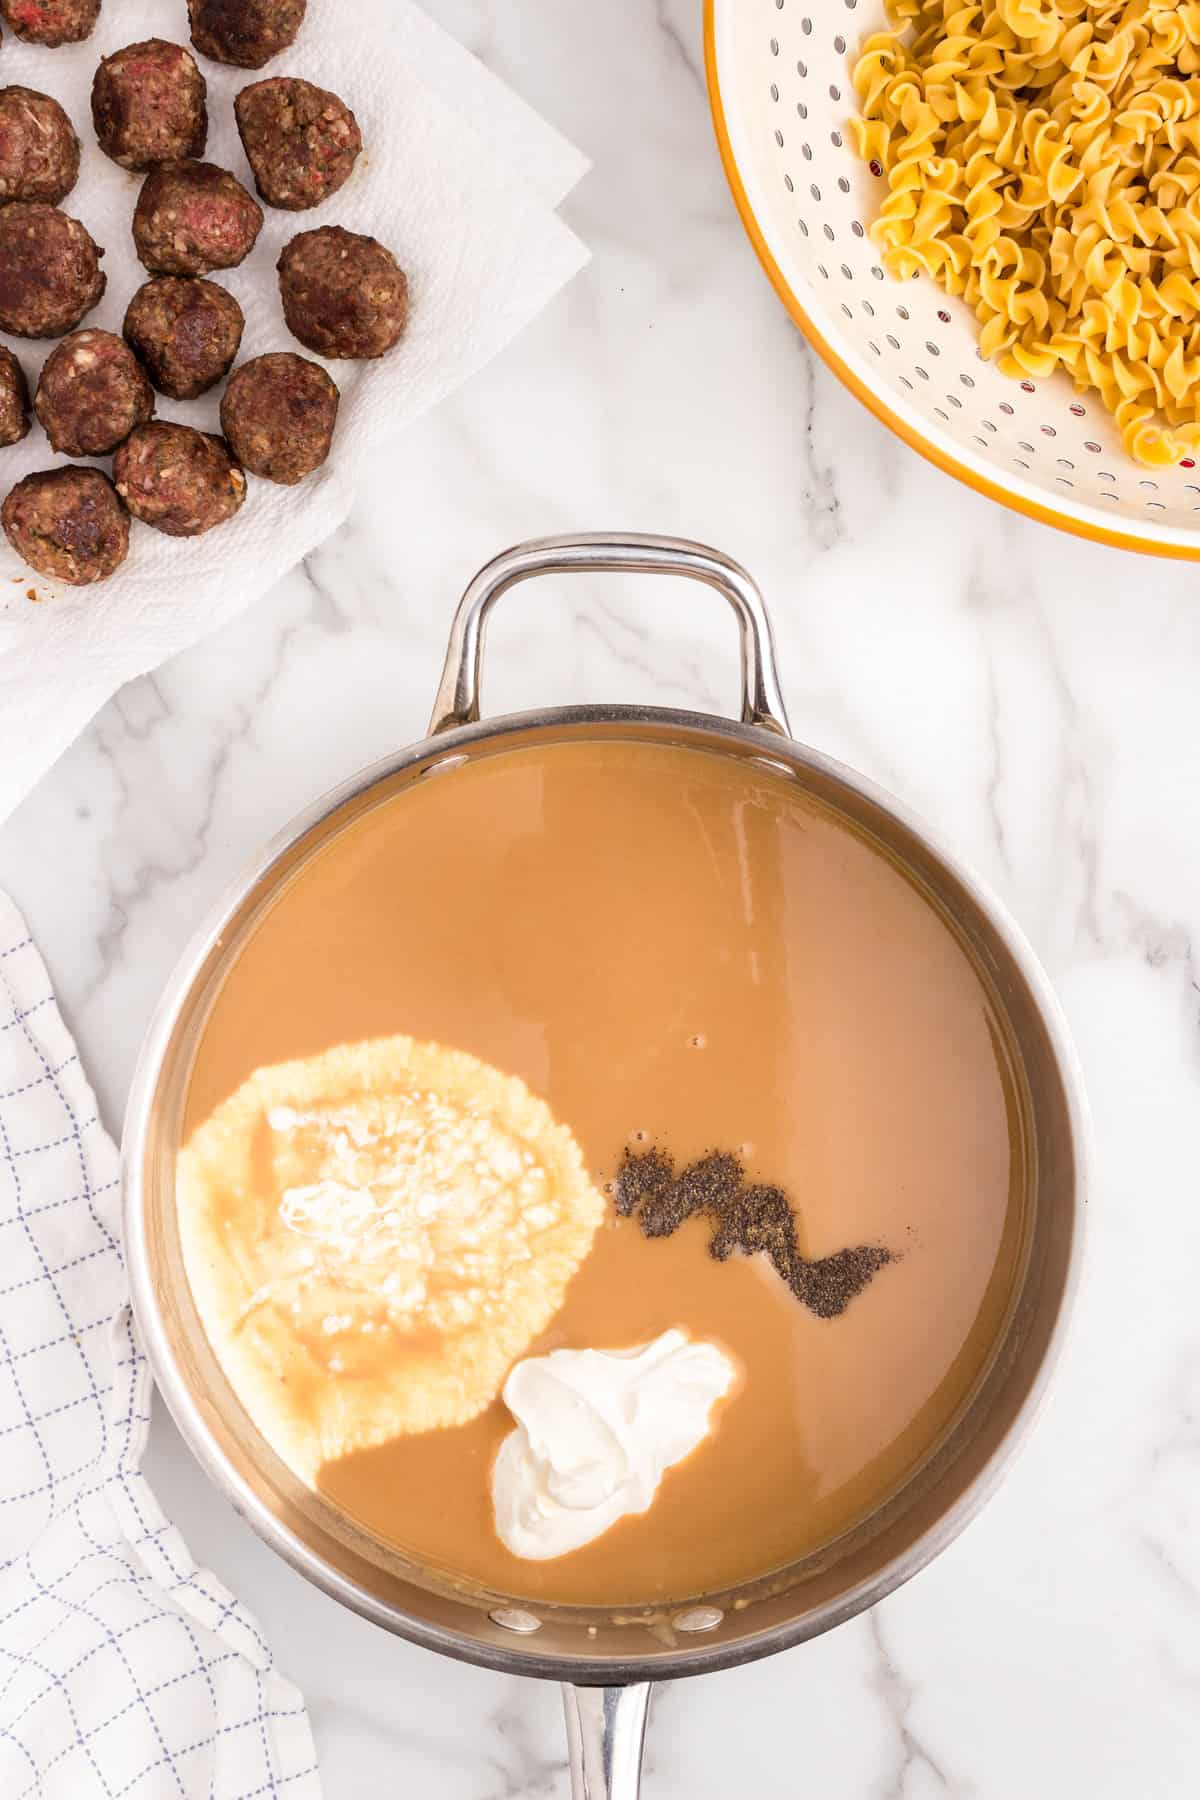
x=1043 y=161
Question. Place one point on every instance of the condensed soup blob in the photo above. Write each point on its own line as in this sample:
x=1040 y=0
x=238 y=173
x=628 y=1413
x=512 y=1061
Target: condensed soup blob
x=373 y=1235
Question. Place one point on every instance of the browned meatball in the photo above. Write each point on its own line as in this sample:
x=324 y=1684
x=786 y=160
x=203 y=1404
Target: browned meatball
x=14 y=399
x=68 y=524
x=180 y=481
x=186 y=331
x=149 y=104
x=50 y=273
x=192 y=217
x=301 y=141
x=247 y=33
x=39 y=152
x=278 y=413
x=92 y=393
x=343 y=295
x=52 y=22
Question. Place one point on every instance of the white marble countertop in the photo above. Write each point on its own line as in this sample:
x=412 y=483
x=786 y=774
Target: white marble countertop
x=1034 y=696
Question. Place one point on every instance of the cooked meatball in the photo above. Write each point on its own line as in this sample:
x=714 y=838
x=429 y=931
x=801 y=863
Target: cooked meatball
x=68 y=524
x=39 y=152
x=92 y=393
x=186 y=332
x=14 y=399
x=52 y=22
x=149 y=104
x=245 y=32
x=343 y=295
x=180 y=481
x=301 y=141
x=278 y=413
x=192 y=217
x=50 y=273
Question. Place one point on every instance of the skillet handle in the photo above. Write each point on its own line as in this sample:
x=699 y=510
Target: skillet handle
x=606 y=1729
x=457 y=701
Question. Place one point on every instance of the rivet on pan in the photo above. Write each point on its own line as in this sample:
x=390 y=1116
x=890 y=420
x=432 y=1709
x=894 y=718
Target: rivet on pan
x=443 y=766
x=698 y=1618
x=511 y=1618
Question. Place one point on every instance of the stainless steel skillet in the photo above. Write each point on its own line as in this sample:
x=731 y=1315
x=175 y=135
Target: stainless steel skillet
x=607 y=1660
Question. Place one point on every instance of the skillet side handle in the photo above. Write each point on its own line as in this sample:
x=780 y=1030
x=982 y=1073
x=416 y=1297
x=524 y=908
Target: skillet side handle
x=457 y=701
x=606 y=1730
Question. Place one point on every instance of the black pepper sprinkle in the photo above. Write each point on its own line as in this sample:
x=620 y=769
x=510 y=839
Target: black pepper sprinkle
x=746 y=1219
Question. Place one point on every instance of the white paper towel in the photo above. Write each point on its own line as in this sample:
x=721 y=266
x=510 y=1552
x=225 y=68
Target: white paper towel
x=458 y=177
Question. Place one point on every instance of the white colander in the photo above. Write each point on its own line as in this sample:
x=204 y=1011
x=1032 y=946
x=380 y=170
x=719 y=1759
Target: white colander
x=779 y=83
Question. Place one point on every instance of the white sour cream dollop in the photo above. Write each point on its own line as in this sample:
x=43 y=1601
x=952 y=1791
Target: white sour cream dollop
x=596 y=1431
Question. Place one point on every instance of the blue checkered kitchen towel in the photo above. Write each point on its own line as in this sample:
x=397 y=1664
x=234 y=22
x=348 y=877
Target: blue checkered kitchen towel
x=125 y=1670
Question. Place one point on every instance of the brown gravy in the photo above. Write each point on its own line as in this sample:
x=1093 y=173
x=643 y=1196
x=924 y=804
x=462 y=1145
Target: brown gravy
x=677 y=944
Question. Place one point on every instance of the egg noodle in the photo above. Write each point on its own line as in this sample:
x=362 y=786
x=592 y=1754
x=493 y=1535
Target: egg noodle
x=1043 y=161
